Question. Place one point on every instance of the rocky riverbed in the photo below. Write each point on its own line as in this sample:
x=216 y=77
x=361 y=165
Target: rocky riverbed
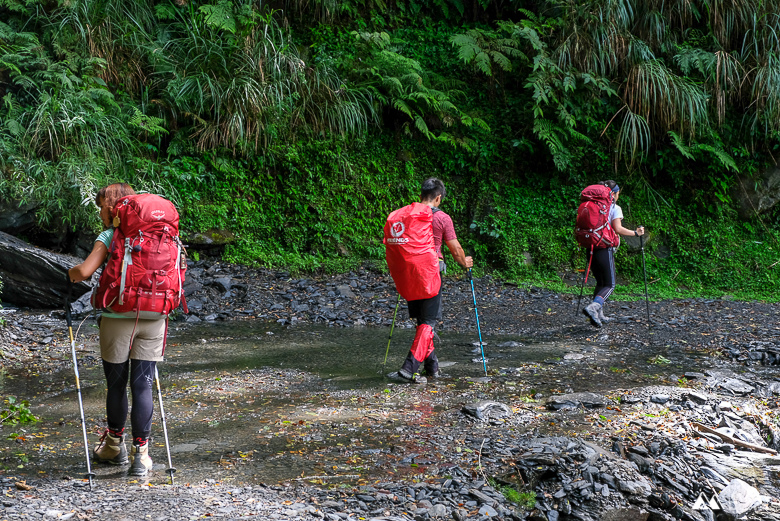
x=676 y=421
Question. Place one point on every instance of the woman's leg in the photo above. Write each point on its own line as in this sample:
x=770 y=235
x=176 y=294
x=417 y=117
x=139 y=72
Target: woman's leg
x=148 y=346
x=116 y=397
x=603 y=268
x=142 y=378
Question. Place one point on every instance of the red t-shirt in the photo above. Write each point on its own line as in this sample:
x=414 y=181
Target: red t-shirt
x=443 y=230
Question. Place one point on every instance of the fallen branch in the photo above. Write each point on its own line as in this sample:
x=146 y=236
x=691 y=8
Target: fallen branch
x=337 y=476
x=728 y=439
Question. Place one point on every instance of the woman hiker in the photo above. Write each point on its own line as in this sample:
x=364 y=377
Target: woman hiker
x=129 y=348
x=603 y=262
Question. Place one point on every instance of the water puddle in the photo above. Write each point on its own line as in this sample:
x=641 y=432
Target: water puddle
x=251 y=402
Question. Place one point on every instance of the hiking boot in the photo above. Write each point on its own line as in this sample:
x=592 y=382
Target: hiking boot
x=414 y=378
x=430 y=373
x=592 y=312
x=431 y=366
x=604 y=319
x=111 y=449
x=142 y=463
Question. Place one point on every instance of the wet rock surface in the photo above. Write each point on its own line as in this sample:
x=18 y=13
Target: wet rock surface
x=627 y=423
x=33 y=276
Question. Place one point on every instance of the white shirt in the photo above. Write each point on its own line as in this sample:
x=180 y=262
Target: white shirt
x=615 y=212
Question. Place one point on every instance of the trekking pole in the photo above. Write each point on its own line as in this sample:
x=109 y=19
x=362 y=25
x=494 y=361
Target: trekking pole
x=579 y=301
x=391 y=332
x=69 y=320
x=170 y=470
x=474 y=296
x=644 y=270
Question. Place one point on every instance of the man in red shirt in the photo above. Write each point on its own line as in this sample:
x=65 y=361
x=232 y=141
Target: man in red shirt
x=428 y=311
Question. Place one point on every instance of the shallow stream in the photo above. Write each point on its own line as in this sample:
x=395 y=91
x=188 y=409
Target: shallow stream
x=250 y=402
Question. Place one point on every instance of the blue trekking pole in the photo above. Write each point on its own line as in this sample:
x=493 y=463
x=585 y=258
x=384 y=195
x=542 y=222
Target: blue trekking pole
x=474 y=296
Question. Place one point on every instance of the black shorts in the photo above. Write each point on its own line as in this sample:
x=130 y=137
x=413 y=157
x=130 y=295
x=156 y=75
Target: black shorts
x=427 y=310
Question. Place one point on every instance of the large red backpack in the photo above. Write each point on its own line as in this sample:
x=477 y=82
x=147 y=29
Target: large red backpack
x=593 y=229
x=410 y=252
x=144 y=274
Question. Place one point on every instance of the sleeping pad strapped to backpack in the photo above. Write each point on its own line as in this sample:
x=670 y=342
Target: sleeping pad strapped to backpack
x=410 y=253
x=593 y=229
x=144 y=274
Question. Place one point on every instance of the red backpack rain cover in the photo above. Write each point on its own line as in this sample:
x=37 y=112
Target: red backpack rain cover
x=410 y=252
x=593 y=229
x=145 y=270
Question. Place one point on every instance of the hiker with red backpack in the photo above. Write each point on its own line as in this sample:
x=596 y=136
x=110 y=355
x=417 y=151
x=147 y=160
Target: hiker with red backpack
x=140 y=285
x=598 y=230
x=414 y=236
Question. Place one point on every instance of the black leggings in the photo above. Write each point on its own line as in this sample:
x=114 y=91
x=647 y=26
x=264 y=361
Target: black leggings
x=603 y=268
x=142 y=372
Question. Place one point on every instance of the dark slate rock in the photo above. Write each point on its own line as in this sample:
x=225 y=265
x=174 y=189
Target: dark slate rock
x=575 y=401
x=487 y=409
x=34 y=277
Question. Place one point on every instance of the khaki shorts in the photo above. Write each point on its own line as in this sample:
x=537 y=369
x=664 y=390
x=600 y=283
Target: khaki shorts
x=147 y=338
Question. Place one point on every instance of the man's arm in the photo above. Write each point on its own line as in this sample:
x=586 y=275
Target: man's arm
x=458 y=254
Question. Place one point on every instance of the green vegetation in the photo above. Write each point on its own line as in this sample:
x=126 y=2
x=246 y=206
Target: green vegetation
x=659 y=360
x=298 y=131
x=15 y=413
x=526 y=500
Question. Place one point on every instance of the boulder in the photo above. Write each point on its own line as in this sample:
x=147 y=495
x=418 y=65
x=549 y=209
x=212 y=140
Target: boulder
x=211 y=241
x=34 y=277
x=738 y=498
x=16 y=217
x=757 y=196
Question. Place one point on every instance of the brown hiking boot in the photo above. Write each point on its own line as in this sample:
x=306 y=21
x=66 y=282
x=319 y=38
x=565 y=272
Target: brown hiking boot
x=111 y=449
x=142 y=463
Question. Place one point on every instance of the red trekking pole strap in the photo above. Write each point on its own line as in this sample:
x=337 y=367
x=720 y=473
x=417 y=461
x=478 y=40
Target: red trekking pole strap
x=587 y=271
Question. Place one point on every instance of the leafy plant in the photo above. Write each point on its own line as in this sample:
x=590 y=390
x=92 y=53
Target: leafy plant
x=15 y=413
x=526 y=500
x=659 y=360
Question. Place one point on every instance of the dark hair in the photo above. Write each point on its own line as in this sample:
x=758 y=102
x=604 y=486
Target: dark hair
x=609 y=183
x=114 y=192
x=431 y=189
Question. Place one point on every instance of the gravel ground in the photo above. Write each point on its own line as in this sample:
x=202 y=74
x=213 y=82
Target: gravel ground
x=452 y=484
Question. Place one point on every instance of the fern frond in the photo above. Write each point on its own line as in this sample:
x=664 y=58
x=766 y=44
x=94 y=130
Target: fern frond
x=680 y=146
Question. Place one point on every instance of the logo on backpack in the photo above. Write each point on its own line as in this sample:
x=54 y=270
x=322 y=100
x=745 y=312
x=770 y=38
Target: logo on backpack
x=397 y=229
x=144 y=274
